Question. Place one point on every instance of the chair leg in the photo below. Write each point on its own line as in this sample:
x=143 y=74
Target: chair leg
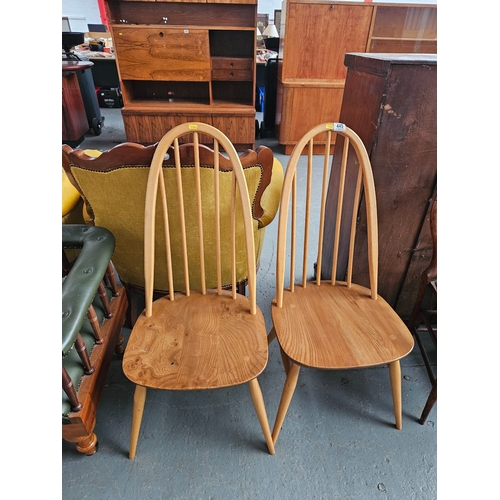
x=137 y=412
x=430 y=403
x=258 y=401
x=395 y=374
x=286 y=360
x=286 y=398
x=271 y=336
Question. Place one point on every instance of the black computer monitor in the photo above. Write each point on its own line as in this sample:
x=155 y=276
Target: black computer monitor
x=97 y=27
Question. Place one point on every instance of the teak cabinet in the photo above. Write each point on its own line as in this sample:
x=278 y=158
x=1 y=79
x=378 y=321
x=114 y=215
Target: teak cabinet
x=315 y=35
x=186 y=61
x=390 y=100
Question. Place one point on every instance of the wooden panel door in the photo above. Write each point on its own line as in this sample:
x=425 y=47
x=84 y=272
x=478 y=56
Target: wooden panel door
x=305 y=107
x=146 y=53
x=239 y=129
x=150 y=128
x=317 y=37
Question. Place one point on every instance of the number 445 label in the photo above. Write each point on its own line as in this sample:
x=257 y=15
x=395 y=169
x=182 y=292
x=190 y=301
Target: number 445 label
x=336 y=127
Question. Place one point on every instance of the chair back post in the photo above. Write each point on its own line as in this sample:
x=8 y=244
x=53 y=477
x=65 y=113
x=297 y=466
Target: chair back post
x=365 y=180
x=239 y=182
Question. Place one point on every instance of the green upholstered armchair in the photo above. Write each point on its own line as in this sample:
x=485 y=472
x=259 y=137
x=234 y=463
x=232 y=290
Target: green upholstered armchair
x=93 y=314
x=113 y=187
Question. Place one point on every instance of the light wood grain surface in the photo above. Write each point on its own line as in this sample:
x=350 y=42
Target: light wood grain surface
x=333 y=327
x=197 y=342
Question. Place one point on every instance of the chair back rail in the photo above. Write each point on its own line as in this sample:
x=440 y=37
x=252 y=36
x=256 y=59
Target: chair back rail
x=364 y=186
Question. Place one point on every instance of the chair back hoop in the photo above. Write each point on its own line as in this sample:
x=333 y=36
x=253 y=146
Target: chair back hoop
x=156 y=181
x=289 y=193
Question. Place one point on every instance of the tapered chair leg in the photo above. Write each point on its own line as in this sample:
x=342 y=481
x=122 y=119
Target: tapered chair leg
x=395 y=374
x=137 y=412
x=430 y=403
x=286 y=360
x=286 y=398
x=271 y=336
x=258 y=401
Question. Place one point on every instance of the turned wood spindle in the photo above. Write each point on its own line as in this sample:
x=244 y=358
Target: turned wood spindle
x=111 y=277
x=84 y=355
x=94 y=323
x=104 y=299
x=69 y=389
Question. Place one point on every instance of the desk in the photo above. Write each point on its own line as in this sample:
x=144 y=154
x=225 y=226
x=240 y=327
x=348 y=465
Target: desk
x=74 y=117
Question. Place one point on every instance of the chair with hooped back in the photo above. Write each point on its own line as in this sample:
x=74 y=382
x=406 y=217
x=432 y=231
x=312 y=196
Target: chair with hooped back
x=197 y=338
x=424 y=314
x=323 y=322
x=113 y=184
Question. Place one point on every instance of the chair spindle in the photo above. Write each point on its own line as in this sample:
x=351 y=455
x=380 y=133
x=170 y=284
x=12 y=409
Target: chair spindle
x=308 y=212
x=218 y=257
x=340 y=202
x=94 y=323
x=199 y=212
x=178 y=168
x=104 y=299
x=166 y=230
x=326 y=164
x=111 y=278
x=84 y=355
x=70 y=391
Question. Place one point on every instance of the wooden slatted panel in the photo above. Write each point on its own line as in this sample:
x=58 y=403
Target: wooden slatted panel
x=238 y=182
x=353 y=144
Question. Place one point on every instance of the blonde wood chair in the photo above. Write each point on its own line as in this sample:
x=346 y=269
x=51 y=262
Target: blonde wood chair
x=106 y=180
x=198 y=338
x=323 y=322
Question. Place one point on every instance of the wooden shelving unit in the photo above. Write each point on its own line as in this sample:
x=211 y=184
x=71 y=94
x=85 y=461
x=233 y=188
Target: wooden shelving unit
x=315 y=35
x=186 y=61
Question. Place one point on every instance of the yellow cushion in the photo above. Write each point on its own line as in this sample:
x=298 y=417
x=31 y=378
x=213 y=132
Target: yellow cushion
x=70 y=195
x=103 y=191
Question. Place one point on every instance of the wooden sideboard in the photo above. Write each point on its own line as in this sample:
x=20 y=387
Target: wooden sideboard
x=182 y=61
x=315 y=35
x=390 y=100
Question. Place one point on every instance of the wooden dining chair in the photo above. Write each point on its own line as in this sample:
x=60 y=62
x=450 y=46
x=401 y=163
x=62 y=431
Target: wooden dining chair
x=197 y=338
x=105 y=181
x=423 y=316
x=323 y=322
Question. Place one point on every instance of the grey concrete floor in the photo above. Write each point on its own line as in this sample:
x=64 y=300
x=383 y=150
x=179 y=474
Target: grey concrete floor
x=338 y=440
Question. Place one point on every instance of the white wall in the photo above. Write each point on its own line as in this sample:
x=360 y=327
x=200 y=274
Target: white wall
x=81 y=13
x=268 y=7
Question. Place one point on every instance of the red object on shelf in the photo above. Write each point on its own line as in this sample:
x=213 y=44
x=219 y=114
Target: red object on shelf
x=103 y=12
